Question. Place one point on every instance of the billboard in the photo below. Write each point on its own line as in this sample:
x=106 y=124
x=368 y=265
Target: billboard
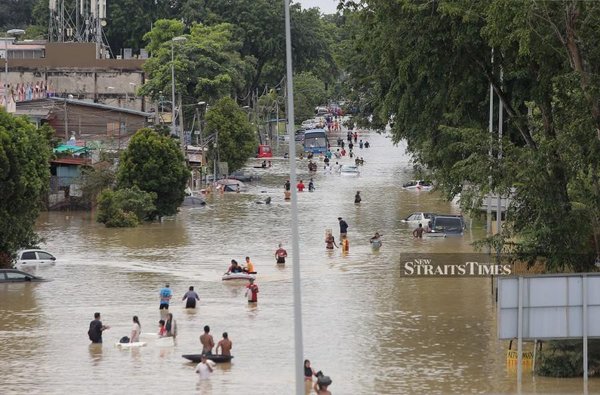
x=553 y=306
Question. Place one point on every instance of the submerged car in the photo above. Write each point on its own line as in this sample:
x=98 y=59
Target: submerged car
x=419 y=218
x=17 y=276
x=447 y=225
x=418 y=185
x=349 y=170
x=244 y=176
x=34 y=258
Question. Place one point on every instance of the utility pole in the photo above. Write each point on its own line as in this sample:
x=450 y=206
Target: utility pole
x=500 y=127
x=491 y=132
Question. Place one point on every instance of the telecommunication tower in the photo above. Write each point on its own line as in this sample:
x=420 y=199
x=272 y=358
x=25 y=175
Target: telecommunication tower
x=79 y=21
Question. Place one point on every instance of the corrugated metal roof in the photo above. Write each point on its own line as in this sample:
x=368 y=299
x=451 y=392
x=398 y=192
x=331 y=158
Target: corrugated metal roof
x=102 y=106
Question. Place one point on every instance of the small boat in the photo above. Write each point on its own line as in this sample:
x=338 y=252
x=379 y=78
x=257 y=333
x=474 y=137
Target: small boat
x=215 y=358
x=418 y=185
x=131 y=345
x=238 y=276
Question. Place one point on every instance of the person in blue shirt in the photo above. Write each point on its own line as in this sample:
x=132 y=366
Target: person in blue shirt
x=165 y=297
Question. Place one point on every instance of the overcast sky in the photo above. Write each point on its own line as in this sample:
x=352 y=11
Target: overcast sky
x=326 y=6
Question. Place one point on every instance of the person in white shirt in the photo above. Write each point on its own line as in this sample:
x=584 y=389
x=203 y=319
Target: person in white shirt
x=135 y=330
x=204 y=368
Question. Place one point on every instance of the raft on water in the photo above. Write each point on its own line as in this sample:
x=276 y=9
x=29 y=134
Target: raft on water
x=215 y=358
x=238 y=276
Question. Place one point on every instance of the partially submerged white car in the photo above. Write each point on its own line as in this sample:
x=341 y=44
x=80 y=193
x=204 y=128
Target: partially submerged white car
x=34 y=258
x=419 y=218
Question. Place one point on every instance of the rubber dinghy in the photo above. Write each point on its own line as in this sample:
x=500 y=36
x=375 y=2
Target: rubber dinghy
x=215 y=358
x=238 y=276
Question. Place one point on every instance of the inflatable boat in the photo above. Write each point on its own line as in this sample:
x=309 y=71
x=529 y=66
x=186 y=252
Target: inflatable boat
x=238 y=276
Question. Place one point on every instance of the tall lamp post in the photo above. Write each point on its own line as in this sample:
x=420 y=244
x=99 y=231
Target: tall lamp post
x=298 y=337
x=13 y=33
x=173 y=40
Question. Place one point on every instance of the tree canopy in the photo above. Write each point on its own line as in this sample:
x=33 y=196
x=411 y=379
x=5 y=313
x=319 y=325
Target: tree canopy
x=427 y=66
x=154 y=163
x=309 y=92
x=24 y=181
x=207 y=64
x=236 y=138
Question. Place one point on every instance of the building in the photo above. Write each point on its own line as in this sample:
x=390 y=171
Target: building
x=92 y=124
x=41 y=70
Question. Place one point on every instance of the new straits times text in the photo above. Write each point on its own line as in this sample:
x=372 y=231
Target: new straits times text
x=455 y=265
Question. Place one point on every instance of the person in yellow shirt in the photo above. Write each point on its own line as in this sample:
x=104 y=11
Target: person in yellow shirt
x=249 y=268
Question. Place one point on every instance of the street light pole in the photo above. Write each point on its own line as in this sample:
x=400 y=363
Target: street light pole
x=298 y=337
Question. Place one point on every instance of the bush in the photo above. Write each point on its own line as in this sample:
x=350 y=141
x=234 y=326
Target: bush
x=564 y=358
x=125 y=207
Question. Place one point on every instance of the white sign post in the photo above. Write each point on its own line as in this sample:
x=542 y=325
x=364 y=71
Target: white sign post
x=549 y=307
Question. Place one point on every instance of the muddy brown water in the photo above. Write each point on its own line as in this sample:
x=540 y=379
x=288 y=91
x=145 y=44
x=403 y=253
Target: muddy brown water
x=367 y=327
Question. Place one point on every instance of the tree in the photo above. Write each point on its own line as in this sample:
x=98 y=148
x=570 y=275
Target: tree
x=24 y=180
x=125 y=208
x=94 y=181
x=154 y=163
x=426 y=65
x=259 y=25
x=16 y=14
x=236 y=140
x=207 y=64
x=309 y=92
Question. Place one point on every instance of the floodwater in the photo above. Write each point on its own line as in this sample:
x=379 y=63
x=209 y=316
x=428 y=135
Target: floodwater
x=370 y=329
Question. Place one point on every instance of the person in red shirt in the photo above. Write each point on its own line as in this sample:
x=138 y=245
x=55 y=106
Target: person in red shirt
x=300 y=186
x=252 y=292
x=281 y=254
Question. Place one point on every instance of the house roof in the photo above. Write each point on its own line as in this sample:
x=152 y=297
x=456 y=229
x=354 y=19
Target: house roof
x=102 y=106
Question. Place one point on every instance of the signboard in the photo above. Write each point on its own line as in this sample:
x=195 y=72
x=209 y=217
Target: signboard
x=553 y=306
x=549 y=307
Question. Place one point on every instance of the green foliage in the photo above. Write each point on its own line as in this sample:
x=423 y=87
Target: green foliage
x=309 y=92
x=426 y=66
x=24 y=180
x=16 y=14
x=154 y=163
x=259 y=25
x=129 y=20
x=236 y=139
x=564 y=358
x=95 y=180
x=125 y=208
x=207 y=64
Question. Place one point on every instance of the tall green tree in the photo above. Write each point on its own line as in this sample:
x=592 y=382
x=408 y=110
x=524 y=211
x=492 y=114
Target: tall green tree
x=24 y=180
x=154 y=163
x=207 y=64
x=427 y=67
x=236 y=140
x=259 y=24
x=309 y=92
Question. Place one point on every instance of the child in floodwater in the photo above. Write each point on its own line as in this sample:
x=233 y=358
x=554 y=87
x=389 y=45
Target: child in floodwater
x=330 y=241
